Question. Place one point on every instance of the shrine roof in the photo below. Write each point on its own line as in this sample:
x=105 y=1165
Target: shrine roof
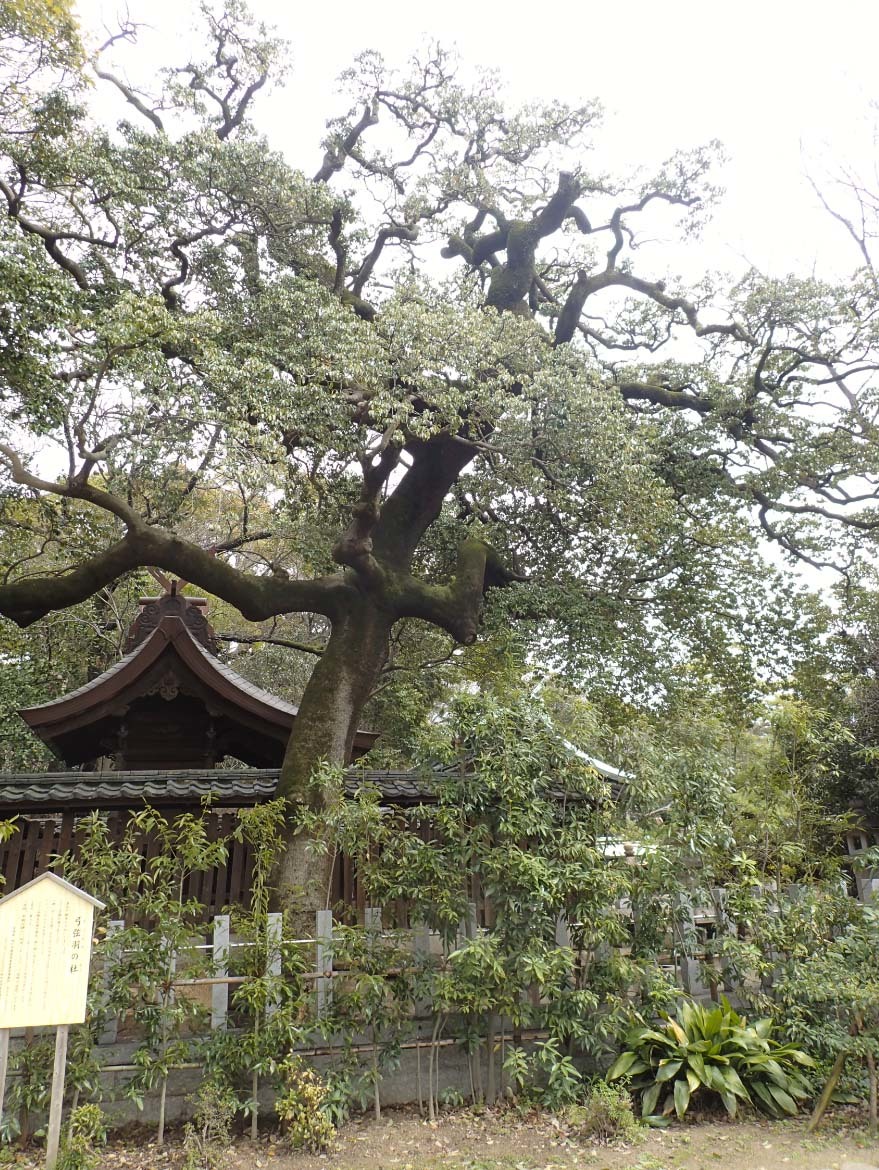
x=173 y=634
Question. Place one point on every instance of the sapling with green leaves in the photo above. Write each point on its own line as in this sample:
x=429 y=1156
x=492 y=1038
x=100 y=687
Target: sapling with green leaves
x=162 y=927
x=522 y=817
x=831 y=999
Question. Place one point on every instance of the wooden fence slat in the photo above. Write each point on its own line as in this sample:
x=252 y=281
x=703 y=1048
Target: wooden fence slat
x=10 y=862
x=237 y=866
x=29 y=846
x=47 y=845
x=66 y=834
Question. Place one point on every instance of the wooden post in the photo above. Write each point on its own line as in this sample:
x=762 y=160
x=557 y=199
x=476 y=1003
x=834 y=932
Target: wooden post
x=324 y=958
x=220 y=991
x=53 y=1139
x=4 y=1061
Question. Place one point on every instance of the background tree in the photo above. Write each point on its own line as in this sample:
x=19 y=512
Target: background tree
x=435 y=360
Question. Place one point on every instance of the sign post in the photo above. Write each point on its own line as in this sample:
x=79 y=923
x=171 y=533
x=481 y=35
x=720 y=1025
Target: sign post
x=45 y=950
x=4 y=1061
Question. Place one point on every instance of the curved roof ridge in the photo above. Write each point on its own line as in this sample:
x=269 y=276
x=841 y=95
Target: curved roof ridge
x=238 y=680
x=118 y=665
x=170 y=630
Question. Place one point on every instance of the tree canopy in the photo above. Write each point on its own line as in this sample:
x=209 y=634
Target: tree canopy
x=428 y=383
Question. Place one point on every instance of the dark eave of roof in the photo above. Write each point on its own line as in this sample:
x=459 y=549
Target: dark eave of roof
x=53 y=791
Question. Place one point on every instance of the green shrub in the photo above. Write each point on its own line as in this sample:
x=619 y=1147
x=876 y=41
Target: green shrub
x=303 y=1105
x=85 y=1131
x=714 y=1051
x=208 y=1135
x=546 y=1077
x=605 y=1115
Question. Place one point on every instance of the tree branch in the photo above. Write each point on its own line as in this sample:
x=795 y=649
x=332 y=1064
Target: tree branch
x=335 y=156
x=257 y=598
x=662 y=395
x=457 y=607
x=132 y=98
x=76 y=489
x=271 y=640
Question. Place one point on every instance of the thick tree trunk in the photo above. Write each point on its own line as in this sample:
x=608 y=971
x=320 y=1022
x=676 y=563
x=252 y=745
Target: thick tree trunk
x=323 y=733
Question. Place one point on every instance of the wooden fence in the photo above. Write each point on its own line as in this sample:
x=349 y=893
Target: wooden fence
x=41 y=838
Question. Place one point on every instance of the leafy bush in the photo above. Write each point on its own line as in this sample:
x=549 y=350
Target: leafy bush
x=545 y=1077
x=302 y=1106
x=713 y=1050
x=605 y=1115
x=209 y=1133
x=28 y=1092
x=832 y=998
x=85 y=1131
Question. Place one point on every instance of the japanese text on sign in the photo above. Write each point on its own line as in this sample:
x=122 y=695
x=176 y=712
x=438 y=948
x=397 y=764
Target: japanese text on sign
x=45 y=947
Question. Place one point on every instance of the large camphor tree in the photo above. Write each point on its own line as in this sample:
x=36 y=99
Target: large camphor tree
x=428 y=374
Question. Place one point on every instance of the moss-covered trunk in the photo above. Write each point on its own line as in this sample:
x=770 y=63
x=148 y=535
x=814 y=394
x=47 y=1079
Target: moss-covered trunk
x=329 y=714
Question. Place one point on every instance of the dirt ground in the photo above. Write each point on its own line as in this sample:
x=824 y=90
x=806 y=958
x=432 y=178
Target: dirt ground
x=508 y=1141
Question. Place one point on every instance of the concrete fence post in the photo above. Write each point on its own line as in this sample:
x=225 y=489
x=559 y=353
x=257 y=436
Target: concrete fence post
x=220 y=991
x=111 y=1027
x=324 y=959
x=274 y=937
x=372 y=919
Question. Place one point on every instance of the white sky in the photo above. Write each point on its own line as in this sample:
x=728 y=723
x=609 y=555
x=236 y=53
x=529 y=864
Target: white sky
x=770 y=79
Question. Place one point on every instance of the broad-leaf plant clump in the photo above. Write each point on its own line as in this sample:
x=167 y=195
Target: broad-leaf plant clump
x=710 y=1051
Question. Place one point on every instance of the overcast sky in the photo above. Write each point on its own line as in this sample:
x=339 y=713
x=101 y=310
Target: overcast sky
x=785 y=85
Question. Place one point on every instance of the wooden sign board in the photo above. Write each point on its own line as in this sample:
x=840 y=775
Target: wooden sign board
x=45 y=949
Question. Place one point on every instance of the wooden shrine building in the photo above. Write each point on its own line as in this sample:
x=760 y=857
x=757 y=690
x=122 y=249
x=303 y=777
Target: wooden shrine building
x=156 y=728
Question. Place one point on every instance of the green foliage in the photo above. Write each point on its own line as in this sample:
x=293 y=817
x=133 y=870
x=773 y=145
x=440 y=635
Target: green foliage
x=208 y=1135
x=831 y=999
x=605 y=1115
x=521 y=815
x=86 y=1131
x=162 y=928
x=7 y=830
x=302 y=1106
x=711 y=1051
x=375 y=1000
x=28 y=1091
